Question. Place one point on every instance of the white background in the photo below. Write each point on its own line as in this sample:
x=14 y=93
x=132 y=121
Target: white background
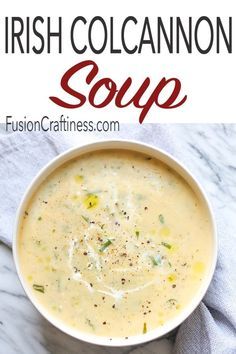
x=27 y=80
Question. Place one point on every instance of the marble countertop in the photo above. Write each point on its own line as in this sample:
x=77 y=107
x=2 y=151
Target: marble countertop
x=209 y=151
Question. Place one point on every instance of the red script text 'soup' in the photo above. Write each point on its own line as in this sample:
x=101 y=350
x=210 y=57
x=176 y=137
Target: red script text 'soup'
x=118 y=94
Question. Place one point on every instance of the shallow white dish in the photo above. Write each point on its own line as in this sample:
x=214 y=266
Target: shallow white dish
x=175 y=165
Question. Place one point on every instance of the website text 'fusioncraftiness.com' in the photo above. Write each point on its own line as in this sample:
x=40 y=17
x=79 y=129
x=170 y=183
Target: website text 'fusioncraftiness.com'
x=63 y=124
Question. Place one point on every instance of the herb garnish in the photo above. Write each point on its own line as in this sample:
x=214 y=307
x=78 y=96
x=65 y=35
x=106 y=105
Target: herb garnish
x=161 y=219
x=144 y=328
x=105 y=245
x=172 y=302
x=156 y=261
x=88 y=321
x=137 y=234
x=167 y=245
x=39 y=288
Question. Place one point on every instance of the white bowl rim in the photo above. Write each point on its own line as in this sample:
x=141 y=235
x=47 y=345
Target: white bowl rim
x=96 y=146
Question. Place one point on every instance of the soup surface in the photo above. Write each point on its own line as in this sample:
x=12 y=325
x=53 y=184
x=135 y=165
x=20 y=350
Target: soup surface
x=114 y=243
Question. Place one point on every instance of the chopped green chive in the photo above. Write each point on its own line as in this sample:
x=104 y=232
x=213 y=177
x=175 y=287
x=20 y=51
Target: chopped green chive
x=161 y=219
x=144 y=328
x=105 y=245
x=172 y=302
x=85 y=218
x=167 y=245
x=137 y=234
x=39 y=288
x=39 y=218
x=89 y=323
x=156 y=261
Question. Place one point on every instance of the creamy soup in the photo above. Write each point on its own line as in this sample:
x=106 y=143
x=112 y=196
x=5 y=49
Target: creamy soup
x=115 y=243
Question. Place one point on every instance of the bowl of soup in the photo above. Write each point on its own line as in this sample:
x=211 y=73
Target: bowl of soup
x=115 y=243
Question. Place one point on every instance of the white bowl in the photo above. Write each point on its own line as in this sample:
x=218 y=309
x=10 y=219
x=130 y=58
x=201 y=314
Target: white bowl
x=175 y=165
